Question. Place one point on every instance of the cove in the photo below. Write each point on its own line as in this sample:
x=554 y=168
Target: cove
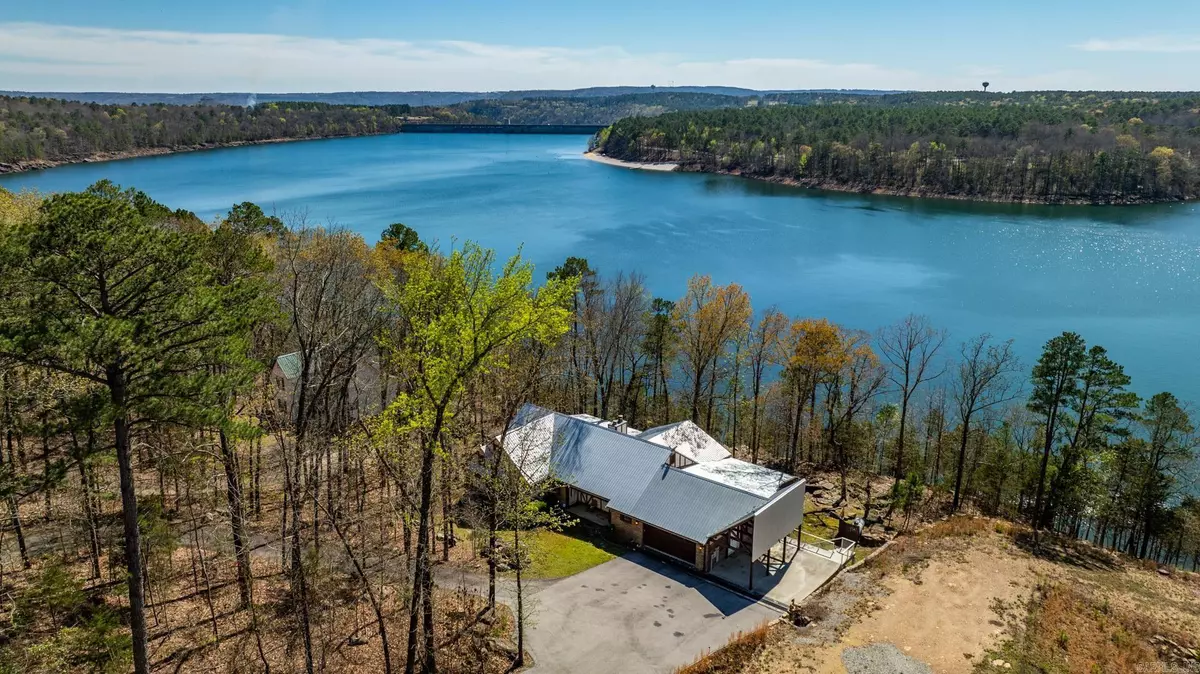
x=1123 y=277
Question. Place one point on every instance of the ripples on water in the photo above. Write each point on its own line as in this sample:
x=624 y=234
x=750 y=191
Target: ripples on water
x=1124 y=277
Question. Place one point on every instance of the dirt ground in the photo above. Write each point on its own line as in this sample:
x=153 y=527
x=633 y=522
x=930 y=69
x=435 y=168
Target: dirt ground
x=941 y=602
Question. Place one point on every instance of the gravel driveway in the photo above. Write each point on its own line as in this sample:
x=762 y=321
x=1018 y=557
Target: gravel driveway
x=634 y=614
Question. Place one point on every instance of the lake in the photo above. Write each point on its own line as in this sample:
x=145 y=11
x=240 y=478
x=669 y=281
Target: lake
x=1123 y=277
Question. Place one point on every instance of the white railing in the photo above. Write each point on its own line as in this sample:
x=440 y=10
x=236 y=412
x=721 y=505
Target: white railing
x=840 y=549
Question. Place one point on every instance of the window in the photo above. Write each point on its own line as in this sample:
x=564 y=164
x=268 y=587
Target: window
x=626 y=518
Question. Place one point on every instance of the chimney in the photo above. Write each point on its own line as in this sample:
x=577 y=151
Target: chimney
x=620 y=425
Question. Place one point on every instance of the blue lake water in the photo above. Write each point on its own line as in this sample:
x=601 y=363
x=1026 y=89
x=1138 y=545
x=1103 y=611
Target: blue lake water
x=1124 y=277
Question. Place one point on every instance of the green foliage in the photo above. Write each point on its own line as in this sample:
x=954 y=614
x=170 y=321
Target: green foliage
x=248 y=219
x=54 y=595
x=107 y=278
x=55 y=627
x=402 y=237
x=159 y=538
x=54 y=130
x=460 y=317
x=953 y=144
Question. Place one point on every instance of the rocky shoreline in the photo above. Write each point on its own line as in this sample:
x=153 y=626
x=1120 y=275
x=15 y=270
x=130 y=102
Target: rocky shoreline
x=642 y=166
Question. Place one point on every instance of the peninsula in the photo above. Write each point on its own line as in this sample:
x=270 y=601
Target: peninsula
x=1043 y=147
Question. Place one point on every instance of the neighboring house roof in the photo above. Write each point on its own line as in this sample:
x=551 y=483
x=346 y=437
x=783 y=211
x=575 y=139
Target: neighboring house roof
x=743 y=475
x=688 y=439
x=600 y=461
x=290 y=365
x=688 y=505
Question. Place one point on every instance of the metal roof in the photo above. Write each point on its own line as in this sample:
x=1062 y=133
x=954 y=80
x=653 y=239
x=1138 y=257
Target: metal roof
x=633 y=475
x=289 y=364
x=743 y=475
x=688 y=439
x=609 y=464
x=688 y=505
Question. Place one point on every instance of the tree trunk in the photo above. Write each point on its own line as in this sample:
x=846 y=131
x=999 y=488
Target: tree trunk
x=129 y=513
x=520 y=661
x=696 y=382
x=299 y=584
x=962 y=460
x=1037 y=501
x=421 y=569
x=375 y=606
x=89 y=513
x=900 y=440
x=14 y=516
x=237 y=525
x=754 y=419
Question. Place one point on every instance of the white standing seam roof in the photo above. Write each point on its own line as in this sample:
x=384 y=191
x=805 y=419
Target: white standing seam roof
x=743 y=475
x=688 y=439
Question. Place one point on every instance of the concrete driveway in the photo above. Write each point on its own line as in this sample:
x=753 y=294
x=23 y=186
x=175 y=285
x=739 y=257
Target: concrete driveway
x=634 y=614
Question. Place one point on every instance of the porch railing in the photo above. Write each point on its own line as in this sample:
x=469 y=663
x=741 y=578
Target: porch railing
x=840 y=549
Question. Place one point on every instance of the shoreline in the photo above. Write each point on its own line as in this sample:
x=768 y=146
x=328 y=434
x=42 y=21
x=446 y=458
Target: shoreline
x=638 y=166
x=29 y=165
x=873 y=191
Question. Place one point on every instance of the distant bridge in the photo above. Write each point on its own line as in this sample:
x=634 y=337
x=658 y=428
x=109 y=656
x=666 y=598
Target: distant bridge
x=557 y=129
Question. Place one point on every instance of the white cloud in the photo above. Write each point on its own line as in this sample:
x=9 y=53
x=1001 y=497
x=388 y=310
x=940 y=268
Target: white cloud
x=51 y=57
x=44 y=57
x=1163 y=44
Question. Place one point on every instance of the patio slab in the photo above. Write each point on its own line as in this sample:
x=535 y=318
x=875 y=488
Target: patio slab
x=790 y=577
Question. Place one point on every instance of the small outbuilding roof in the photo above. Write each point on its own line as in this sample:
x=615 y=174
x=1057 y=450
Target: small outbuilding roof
x=290 y=364
x=688 y=439
x=688 y=505
x=743 y=475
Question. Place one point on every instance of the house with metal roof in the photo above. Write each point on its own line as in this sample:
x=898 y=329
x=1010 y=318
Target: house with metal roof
x=362 y=387
x=688 y=441
x=673 y=489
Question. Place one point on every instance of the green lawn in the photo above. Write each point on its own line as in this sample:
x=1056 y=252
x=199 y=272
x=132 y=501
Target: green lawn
x=558 y=554
x=566 y=553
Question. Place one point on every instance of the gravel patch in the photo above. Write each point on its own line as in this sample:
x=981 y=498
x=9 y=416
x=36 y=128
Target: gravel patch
x=844 y=601
x=881 y=659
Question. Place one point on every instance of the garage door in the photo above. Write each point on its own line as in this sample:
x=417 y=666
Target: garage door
x=669 y=544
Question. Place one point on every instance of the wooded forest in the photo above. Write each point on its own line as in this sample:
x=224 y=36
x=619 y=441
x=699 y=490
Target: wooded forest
x=256 y=440
x=1039 y=147
x=47 y=129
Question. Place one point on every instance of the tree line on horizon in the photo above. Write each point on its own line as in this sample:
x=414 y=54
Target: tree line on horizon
x=251 y=439
x=1047 y=149
x=38 y=128
x=55 y=130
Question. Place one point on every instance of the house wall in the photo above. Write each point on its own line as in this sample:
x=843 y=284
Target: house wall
x=702 y=557
x=678 y=460
x=629 y=532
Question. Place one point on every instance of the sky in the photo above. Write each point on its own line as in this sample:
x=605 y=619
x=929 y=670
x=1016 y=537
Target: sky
x=466 y=45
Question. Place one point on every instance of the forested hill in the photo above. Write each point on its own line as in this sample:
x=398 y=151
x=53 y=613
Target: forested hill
x=415 y=98
x=39 y=132
x=594 y=110
x=1039 y=147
